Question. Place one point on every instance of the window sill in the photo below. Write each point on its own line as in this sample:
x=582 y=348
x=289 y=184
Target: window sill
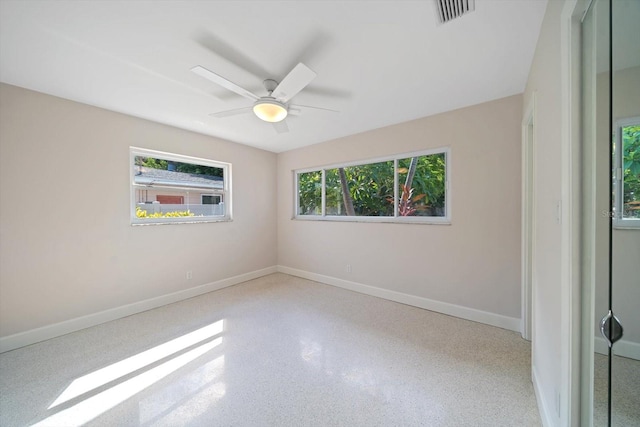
x=180 y=221
x=388 y=220
x=626 y=226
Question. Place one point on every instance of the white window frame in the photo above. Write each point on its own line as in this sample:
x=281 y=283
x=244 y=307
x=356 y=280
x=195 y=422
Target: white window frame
x=618 y=176
x=446 y=220
x=225 y=192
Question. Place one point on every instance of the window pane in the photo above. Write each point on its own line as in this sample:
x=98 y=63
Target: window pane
x=363 y=190
x=165 y=189
x=310 y=193
x=367 y=190
x=421 y=182
x=153 y=203
x=156 y=171
x=211 y=199
x=334 y=199
x=631 y=171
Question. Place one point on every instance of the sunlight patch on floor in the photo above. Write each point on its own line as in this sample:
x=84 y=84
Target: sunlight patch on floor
x=186 y=399
x=95 y=405
x=117 y=370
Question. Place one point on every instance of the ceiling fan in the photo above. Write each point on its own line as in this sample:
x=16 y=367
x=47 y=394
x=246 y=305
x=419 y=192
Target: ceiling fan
x=275 y=106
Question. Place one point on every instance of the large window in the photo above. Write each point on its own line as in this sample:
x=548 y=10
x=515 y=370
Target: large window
x=170 y=188
x=411 y=187
x=627 y=173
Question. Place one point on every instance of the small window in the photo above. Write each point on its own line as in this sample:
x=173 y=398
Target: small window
x=627 y=173
x=406 y=188
x=170 y=188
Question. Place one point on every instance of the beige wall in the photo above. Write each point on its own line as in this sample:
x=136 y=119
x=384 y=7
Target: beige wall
x=474 y=262
x=58 y=262
x=545 y=82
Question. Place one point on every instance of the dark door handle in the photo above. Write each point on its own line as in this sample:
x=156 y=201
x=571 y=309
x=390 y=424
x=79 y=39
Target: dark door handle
x=611 y=325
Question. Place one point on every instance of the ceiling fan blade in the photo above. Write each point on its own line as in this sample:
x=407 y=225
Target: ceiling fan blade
x=294 y=82
x=228 y=113
x=281 y=127
x=227 y=84
x=293 y=111
x=296 y=107
x=328 y=92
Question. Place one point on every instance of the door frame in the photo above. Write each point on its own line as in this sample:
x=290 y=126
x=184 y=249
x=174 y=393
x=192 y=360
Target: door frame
x=588 y=215
x=528 y=219
x=570 y=212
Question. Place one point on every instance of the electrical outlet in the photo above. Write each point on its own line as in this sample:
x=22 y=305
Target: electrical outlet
x=189 y=275
x=348 y=268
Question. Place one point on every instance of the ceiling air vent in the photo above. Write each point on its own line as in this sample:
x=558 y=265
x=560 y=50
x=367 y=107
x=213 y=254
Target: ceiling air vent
x=452 y=9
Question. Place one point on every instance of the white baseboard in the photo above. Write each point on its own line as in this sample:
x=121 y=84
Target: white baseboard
x=622 y=348
x=545 y=414
x=33 y=336
x=467 y=313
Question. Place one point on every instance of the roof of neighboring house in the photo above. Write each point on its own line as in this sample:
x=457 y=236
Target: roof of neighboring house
x=150 y=176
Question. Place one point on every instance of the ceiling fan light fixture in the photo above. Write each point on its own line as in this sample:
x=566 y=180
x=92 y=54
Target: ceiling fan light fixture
x=270 y=110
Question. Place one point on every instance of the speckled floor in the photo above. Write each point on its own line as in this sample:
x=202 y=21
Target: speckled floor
x=275 y=351
x=625 y=392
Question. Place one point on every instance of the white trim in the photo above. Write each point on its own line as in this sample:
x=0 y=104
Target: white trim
x=569 y=381
x=589 y=218
x=628 y=121
x=387 y=219
x=528 y=218
x=33 y=336
x=624 y=348
x=626 y=224
x=323 y=192
x=173 y=221
x=545 y=416
x=396 y=184
x=462 y=312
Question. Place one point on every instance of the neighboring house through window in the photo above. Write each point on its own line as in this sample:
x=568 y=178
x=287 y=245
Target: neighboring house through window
x=211 y=199
x=172 y=188
x=170 y=200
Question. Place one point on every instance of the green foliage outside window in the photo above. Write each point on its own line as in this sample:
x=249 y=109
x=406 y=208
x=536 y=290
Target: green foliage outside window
x=428 y=183
x=310 y=193
x=367 y=190
x=141 y=213
x=154 y=163
x=631 y=168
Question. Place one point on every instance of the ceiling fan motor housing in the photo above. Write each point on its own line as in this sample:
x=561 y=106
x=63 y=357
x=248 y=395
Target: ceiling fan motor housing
x=270 y=85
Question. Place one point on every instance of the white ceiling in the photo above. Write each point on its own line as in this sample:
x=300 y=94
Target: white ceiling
x=378 y=62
